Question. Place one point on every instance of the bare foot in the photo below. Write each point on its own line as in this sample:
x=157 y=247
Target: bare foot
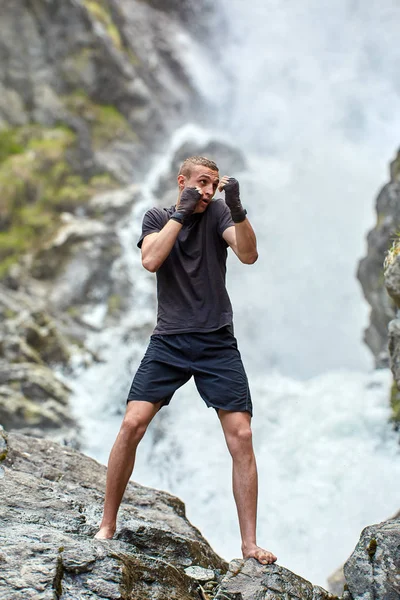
x=105 y=533
x=263 y=556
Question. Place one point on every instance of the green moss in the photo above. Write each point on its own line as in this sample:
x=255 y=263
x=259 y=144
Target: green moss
x=395 y=404
x=58 y=577
x=109 y=126
x=134 y=60
x=6 y=264
x=380 y=219
x=81 y=59
x=106 y=123
x=372 y=548
x=3 y=446
x=101 y=12
x=114 y=304
x=392 y=253
x=9 y=144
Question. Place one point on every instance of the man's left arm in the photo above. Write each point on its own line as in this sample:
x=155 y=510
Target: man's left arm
x=240 y=237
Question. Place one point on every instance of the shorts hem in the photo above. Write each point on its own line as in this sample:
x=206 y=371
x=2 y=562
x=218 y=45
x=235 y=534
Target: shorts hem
x=164 y=401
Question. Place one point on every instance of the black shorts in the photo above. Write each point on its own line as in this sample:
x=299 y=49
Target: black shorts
x=212 y=358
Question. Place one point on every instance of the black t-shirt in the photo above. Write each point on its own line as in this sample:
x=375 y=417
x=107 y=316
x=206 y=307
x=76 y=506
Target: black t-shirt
x=191 y=290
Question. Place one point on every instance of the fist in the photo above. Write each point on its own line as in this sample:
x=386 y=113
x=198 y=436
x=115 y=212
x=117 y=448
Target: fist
x=230 y=185
x=188 y=201
x=190 y=195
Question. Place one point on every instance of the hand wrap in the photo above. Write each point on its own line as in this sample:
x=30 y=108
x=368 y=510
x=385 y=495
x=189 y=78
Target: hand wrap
x=187 y=204
x=232 y=199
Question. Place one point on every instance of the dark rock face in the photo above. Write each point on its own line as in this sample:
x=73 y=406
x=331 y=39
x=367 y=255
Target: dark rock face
x=373 y=570
x=51 y=499
x=370 y=270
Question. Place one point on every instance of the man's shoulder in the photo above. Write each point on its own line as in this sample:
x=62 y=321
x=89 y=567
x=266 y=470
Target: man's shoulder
x=218 y=207
x=161 y=211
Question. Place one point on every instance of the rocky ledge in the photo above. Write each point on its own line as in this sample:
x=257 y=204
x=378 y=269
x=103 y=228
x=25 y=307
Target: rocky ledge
x=51 y=498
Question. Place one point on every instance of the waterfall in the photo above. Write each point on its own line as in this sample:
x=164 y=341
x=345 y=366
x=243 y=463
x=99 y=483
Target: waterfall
x=310 y=96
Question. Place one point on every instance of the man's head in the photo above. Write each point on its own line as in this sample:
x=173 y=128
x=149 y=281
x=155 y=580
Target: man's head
x=202 y=173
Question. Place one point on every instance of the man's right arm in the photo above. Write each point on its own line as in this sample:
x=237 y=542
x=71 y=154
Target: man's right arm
x=157 y=246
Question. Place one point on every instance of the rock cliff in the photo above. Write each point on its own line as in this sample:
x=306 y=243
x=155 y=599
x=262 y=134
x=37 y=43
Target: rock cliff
x=378 y=273
x=89 y=89
x=370 y=270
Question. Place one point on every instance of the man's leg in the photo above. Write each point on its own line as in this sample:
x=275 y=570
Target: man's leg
x=122 y=459
x=238 y=436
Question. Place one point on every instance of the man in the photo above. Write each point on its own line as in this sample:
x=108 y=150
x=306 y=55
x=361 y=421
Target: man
x=186 y=246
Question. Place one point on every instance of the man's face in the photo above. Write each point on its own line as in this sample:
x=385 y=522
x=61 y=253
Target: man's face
x=203 y=178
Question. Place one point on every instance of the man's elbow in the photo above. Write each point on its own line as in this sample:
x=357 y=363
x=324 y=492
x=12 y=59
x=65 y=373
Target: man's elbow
x=249 y=259
x=150 y=265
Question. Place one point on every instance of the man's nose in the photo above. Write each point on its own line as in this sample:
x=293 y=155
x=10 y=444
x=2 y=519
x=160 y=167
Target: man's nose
x=208 y=190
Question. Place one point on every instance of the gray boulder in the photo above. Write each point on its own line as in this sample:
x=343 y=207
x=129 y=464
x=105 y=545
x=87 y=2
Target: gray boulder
x=373 y=570
x=51 y=503
x=249 y=580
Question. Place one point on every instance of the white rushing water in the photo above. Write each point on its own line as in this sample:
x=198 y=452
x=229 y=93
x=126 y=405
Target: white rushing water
x=314 y=108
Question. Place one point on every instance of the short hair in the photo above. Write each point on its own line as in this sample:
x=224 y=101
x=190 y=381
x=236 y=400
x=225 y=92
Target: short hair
x=186 y=168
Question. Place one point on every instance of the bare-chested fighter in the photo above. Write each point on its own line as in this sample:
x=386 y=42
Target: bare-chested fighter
x=186 y=245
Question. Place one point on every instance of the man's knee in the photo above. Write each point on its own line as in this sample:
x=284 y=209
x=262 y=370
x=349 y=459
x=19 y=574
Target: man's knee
x=133 y=427
x=240 y=439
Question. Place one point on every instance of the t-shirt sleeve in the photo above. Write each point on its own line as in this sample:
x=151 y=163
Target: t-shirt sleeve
x=153 y=221
x=224 y=217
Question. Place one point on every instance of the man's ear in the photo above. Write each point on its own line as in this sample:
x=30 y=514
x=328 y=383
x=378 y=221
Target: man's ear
x=181 y=181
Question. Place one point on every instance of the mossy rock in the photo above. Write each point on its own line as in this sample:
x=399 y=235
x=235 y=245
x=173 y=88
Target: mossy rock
x=100 y=11
x=17 y=411
x=395 y=405
x=105 y=121
x=114 y=304
x=3 y=444
x=45 y=339
x=36 y=184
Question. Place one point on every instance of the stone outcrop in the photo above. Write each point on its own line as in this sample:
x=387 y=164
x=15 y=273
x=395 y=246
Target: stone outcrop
x=392 y=283
x=51 y=504
x=31 y=344
x=248 y=580
x=373 y=570
x=51 y=498
x=370 y=270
